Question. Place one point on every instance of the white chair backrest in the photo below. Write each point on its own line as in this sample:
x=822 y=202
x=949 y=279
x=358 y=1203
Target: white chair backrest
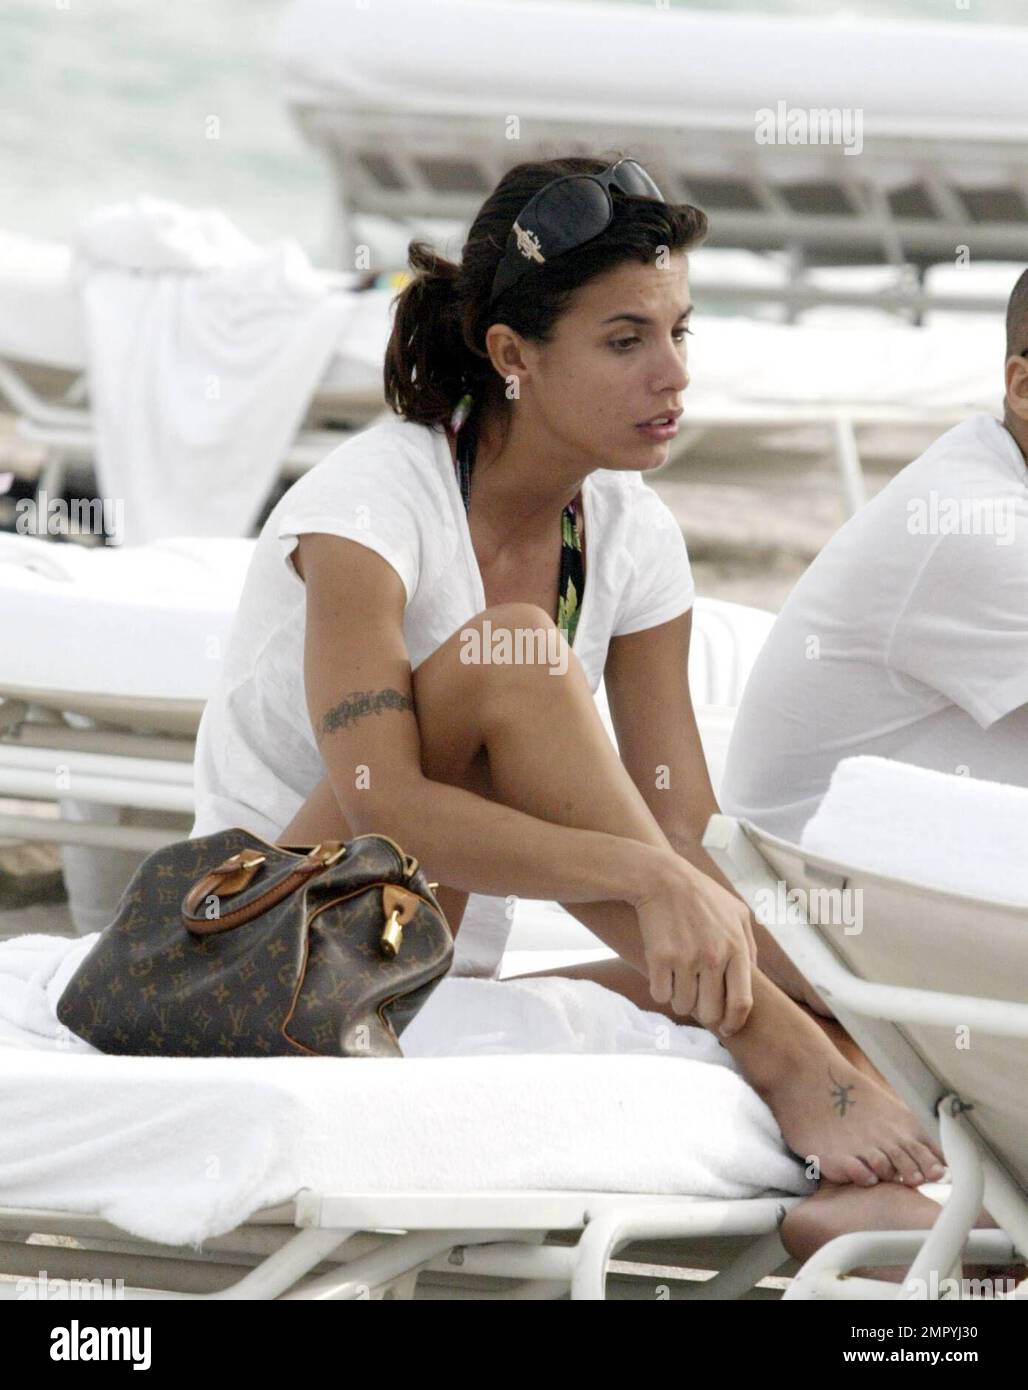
x=917 y=937
x=726 y=640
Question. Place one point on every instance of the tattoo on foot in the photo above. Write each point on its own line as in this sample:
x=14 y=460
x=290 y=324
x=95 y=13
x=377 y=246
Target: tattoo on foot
x=360 y=702
x=841 y=1096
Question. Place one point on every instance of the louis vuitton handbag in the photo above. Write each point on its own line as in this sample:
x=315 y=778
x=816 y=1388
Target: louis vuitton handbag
x=227 y=945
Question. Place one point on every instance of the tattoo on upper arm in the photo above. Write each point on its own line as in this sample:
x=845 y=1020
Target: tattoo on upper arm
x=358 y=703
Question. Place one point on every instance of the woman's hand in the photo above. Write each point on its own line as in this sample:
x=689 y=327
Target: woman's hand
x=697 y=941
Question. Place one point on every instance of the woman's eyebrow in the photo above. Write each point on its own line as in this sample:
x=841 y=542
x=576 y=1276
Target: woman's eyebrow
x=641 y=318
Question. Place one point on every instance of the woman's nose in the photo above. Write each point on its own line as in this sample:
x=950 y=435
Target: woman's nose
x=675 y=379
x=677 y=374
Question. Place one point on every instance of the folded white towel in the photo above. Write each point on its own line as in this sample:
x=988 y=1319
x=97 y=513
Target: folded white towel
x=957 y=834
x=204 y=351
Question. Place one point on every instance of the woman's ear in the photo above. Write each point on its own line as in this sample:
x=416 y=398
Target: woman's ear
x=506 y=351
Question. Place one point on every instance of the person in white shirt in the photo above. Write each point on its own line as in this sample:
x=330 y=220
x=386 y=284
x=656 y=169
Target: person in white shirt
x=906 y=638
x=366 y=685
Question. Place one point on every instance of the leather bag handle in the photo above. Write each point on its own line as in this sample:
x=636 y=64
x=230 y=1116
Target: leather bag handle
x=237 y=872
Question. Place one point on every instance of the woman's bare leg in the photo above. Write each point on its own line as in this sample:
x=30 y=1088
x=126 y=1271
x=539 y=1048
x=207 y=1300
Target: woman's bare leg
x=834 y=1211
x=549 y=755
x=617 y=975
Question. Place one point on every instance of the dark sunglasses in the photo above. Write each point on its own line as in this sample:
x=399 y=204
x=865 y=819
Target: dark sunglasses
x=564 y=214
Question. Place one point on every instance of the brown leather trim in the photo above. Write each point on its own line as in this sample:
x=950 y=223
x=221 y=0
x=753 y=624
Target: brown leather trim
x=323 y=907
x=399 y=995
x=223 y=880
x=297 y=855
x=209 y=884
x=402 y=899
x=249 y=910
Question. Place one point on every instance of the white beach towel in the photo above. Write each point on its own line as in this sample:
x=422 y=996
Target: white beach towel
x=957 y=834
x=181 y=1149
x=204 y=350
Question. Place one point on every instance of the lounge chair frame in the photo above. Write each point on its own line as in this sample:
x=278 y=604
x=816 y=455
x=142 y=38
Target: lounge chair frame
x=877 y=1016
x=491 y=1245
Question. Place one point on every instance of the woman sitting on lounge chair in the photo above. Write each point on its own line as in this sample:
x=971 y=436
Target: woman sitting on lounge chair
x=442 y=595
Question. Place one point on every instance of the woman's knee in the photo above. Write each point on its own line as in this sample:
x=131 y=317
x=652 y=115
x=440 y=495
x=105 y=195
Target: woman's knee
x=498 y=665
x=517 y=651
x=507 y=644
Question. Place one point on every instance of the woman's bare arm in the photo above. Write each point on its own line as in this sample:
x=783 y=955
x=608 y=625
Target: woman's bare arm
x=359 y=697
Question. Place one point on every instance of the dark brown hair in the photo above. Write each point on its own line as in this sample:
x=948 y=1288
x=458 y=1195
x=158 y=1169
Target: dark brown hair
x=437 y=348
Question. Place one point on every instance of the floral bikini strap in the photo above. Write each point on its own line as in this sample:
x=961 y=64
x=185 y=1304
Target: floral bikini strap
x=572 y=563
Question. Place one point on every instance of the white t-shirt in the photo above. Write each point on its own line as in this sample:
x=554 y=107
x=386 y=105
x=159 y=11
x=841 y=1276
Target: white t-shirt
x=393 y=487
x=906 y=638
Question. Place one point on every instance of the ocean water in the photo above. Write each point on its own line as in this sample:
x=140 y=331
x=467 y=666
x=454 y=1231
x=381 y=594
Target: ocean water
x=101 y=100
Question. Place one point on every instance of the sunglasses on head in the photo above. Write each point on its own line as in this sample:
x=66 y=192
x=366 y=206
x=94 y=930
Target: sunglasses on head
x=564 y=214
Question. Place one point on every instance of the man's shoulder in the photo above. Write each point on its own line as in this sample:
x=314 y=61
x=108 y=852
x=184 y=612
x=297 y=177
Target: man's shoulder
x=980 y=454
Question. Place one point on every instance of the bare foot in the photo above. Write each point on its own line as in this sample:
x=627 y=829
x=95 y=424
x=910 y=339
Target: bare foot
x=834 y=1030
x=837 y=1210
x=857 y=1131
x=828 y=1110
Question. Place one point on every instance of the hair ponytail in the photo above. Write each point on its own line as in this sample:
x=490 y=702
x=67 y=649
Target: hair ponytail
x=427 y=361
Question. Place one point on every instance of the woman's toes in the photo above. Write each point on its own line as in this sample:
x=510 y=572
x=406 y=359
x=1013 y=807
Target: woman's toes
x=880 y=1164
x=858 y=1172
x=907 y=1169
x=932 y=1167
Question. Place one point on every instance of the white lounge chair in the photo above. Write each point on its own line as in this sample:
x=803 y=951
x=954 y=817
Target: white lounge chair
x=932 y=987
x=407 y=133
x=487 y=1245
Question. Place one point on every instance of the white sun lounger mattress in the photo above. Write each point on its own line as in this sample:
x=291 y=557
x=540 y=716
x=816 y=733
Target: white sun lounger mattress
x=144 y=622
x=177 y=1149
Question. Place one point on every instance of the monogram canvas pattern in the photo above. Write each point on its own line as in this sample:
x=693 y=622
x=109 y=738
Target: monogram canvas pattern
x=247 y=975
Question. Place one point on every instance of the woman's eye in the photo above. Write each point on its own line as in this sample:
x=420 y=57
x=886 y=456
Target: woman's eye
x=624 y=344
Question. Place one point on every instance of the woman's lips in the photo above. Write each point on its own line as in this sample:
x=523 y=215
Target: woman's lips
x=659 y=433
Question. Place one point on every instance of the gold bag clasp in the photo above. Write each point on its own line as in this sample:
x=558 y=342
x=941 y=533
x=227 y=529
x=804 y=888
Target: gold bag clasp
x=399 y=907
